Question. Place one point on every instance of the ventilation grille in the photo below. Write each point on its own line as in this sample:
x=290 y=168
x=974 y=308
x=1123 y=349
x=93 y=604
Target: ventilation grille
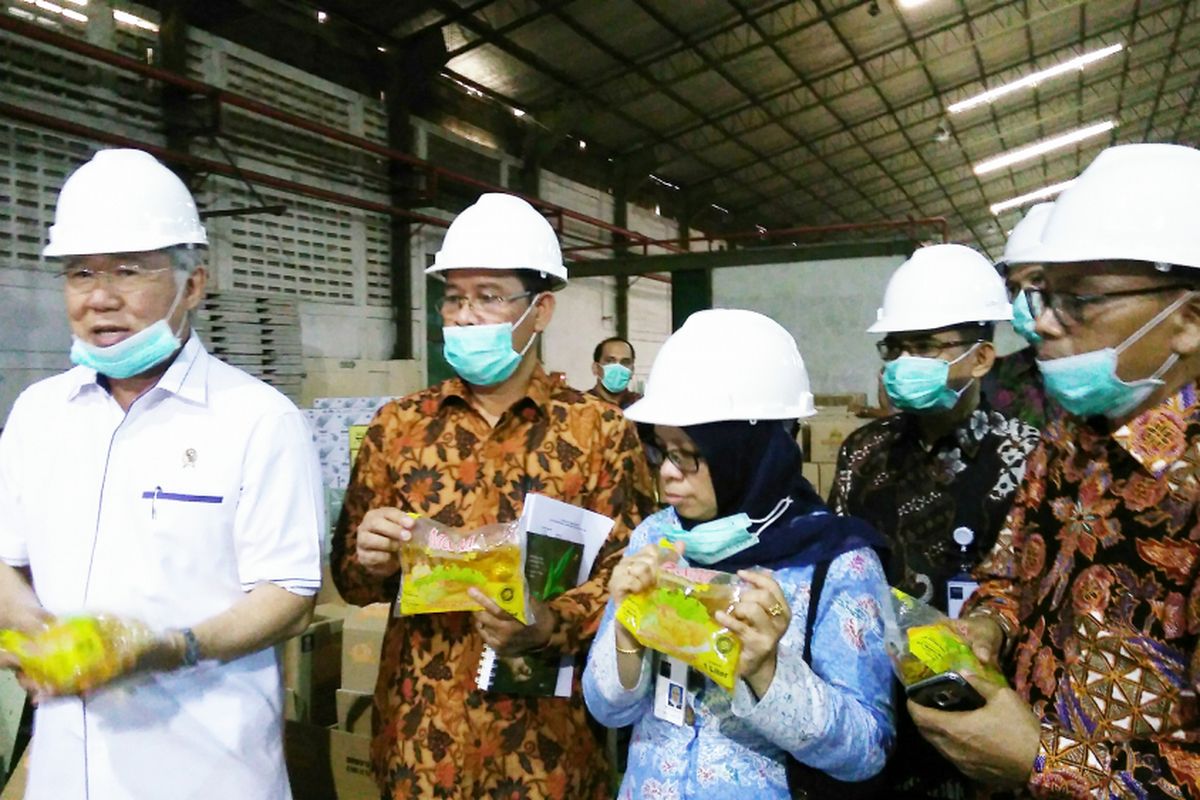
x=256 y=332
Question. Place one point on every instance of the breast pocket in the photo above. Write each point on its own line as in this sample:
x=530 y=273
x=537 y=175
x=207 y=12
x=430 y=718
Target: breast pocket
x=188 y=529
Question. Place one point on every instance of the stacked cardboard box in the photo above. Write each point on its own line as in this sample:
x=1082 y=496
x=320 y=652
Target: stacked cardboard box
x=312 y=668
x=329 y=727
x=822 y=437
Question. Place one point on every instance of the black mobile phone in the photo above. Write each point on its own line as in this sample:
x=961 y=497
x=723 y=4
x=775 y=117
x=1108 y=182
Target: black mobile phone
x=946 y=692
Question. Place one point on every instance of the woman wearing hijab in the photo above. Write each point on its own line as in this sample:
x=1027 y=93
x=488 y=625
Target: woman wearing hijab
x=723 y=395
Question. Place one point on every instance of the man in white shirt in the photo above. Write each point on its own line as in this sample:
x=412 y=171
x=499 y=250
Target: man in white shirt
x=157 y=484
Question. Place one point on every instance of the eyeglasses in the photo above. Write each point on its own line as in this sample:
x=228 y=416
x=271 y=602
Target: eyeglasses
x=1068 y=308
x=890 y=350
x=485 y=305
x=687 y=462
x=124 y=278
x=1015 y=289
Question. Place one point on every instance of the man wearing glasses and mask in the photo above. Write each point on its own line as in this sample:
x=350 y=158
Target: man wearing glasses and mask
x=1014 y=385
x=937 y=478
x=465 y=453
x=155 y=483
x=1090 y=601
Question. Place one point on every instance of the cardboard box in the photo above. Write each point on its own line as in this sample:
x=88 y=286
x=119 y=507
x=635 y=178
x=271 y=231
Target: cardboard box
x=329 y=593
x=326 y=764
x=362 y=639
x=812 y=473
x=354 y=711
x=827 y=431
x=828 y=474
x=312 y=668
x=350 y=760
x=851 y=400
x=15 y=788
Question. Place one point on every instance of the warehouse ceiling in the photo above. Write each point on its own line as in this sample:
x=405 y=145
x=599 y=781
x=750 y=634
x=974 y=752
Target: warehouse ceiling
x=813 y=112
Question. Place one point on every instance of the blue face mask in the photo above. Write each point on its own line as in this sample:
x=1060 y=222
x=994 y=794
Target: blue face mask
x=1023 y=321
x=919 y=384
x=483 y=355
x=616 y=377
x=718 y=539
x=135 y=354
x=1087 y=384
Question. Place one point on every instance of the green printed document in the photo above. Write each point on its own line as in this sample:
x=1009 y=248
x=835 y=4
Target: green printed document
x=562 y=541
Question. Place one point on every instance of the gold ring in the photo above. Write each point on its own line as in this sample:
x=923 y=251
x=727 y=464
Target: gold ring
x=775 y=610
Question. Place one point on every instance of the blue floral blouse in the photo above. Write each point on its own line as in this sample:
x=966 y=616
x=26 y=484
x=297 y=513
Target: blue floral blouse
x=835 y=716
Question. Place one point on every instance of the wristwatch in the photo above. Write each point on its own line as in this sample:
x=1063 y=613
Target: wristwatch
x=191 y=648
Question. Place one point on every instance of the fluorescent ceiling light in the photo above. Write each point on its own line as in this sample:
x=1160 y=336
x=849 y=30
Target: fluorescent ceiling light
x=912 y=3
x=1079 y=62
x=1029 y=197
x=54 y=8
x=134 y=20
x=1043 y=147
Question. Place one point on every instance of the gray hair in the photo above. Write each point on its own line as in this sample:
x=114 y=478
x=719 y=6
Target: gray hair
x=185 y=258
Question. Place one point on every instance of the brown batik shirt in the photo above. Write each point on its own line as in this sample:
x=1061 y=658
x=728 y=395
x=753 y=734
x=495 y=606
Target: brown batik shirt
x=436 y=735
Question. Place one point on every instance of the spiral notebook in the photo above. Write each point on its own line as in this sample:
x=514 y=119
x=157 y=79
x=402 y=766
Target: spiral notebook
x=562 y=541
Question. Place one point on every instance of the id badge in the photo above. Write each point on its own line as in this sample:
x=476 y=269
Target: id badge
x=957 y=592
x=670 y=690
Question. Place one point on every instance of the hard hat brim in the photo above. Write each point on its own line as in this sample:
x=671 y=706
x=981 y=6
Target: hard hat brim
x=557 y=281
x=652 y=411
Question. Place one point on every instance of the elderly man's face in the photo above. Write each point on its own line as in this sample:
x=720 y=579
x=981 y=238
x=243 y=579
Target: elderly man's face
x=110 y=297
x=1088 y=320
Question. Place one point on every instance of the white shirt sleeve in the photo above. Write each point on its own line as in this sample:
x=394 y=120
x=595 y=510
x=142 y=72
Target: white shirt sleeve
x=14 y=548
x=281 y=507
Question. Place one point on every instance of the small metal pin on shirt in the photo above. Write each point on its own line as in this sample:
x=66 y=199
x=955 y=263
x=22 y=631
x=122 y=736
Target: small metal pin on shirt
x=189 y=457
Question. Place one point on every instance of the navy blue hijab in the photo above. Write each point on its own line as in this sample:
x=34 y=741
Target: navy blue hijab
x=753 y=466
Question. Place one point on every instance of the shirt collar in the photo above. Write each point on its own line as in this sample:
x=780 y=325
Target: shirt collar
x=1157 y=437
x=537 y=394
x=187 y=377
x=967 y=436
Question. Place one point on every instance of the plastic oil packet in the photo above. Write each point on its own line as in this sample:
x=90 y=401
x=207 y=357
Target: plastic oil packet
x=676 y=618
x=74 y=654
x=922 y=643
x=439 y=564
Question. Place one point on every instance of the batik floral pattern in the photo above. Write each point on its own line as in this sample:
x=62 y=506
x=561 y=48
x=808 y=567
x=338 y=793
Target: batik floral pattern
x=436 y=736
x=1096 y=578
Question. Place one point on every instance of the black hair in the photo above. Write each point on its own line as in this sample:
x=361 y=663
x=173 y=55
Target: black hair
x=535 y=282
x=599 y=351
x=984 y=331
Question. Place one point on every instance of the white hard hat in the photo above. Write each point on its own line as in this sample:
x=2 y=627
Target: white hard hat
x=1138 y=202
x=502 y=232
x=123 y=201
x=939 y=286
x=1026 y=236
x=725 y=364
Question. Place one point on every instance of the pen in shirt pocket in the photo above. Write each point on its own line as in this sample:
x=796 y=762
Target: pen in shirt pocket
x=158 y=494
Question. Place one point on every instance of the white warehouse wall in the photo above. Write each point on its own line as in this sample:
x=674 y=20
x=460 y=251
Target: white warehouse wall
x=826 y=305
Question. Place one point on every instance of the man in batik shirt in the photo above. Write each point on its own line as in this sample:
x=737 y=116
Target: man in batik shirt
x=1014 y=386
x=936 y=479
x=1091 y=600
x=465 y=453
x=947 y=460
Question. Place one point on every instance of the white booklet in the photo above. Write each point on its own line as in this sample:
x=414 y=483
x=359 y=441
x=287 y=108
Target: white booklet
x=562 y=541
